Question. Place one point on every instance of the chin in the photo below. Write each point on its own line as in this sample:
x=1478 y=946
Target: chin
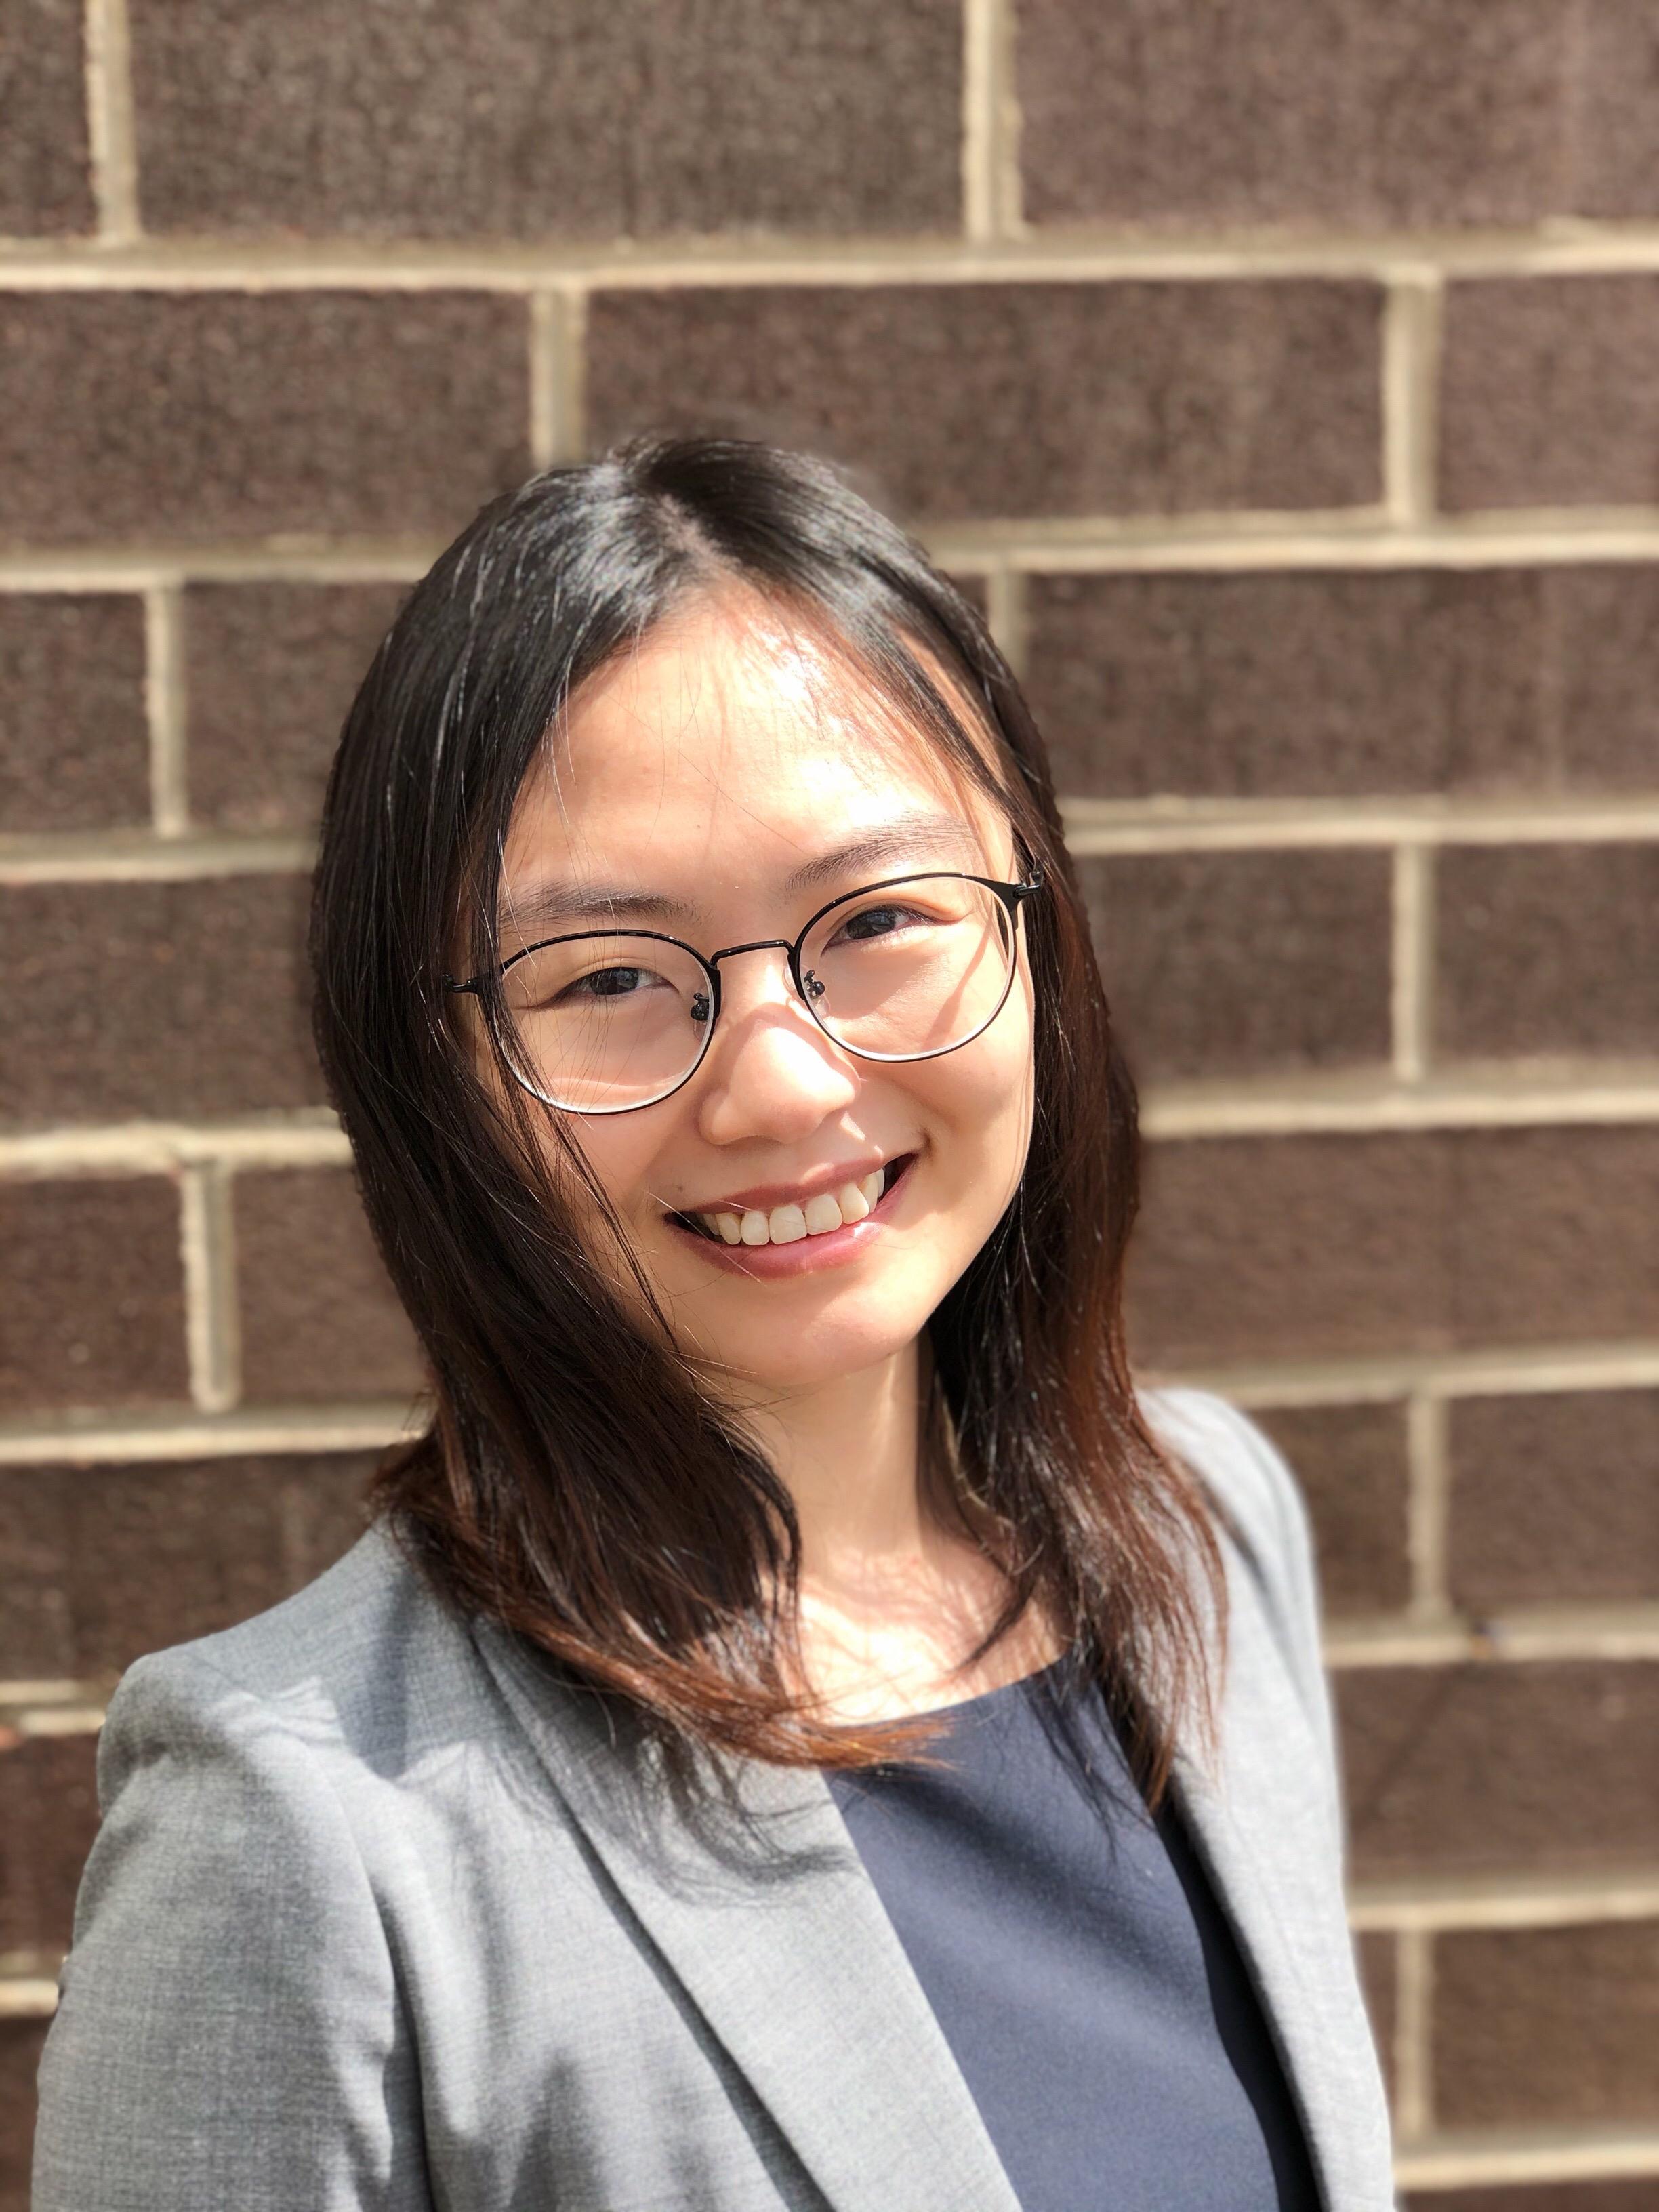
x=792 y=1351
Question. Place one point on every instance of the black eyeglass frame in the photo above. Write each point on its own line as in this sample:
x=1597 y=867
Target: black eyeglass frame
x=1012 y=895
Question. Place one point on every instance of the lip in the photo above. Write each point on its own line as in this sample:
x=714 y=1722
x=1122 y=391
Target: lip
x=807 y=1256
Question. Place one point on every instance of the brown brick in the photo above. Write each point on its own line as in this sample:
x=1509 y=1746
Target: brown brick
x=1350 y=1462
x=47 y=1787
x=20 y=2045
x=1537 y=2025
x=320 y=1319
x=1542 y=2196
x=1327 y=683
x=1618 y=85
x=1546 y=1766
x=597 y=117
x=107 y=1562
x=1546 y=948
x=1554 y=1498
x=1320 y=685
x=43 y=182
x=1599 y=658
x=159 y=998
x=269 y=671
x=1378 y=1956
x=92 y=1301
x=1224 y=964
x=1546 y=400
x=1296 y=1247
x=74 y=742
x=159 y=416
x=1013 y=399
x=1152 y=113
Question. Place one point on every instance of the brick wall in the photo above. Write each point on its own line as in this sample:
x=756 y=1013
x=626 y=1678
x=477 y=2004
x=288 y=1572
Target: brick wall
x=1283 y=374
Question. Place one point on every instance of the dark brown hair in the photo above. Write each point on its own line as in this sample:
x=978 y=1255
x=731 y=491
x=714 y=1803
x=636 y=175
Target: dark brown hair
x=578 y=1484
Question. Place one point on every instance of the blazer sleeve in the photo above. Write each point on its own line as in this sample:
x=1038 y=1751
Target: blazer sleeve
x=230 y=2030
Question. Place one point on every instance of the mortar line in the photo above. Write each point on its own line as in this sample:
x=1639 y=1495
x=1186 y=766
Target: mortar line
x=111 y=144
x=569 y=388
x=181 y=1432
x=207 y=1235
x=1259 y=825
x=27 y=1996
x=1056 y=254
x=1569 y=2151
x=309 y=1137
x=979 y=191
x=1093 y=827
x=165 y=710
x=1411 y=369
x=1412 y=960
x=990 y=137
x=312 y=1136
x=1522 y=1370
x=1413 y=2056
x=1005 y=615
x=1516 y=1900
x=1504 y=1099
x=1427 y=1494
x=1528 y=1635
x=178 y=1433
x=1273 y=540
x=542 y=370
x=125 y=858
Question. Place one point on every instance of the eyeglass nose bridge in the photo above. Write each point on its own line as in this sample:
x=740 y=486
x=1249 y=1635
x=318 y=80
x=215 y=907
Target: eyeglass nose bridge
x=791 y=962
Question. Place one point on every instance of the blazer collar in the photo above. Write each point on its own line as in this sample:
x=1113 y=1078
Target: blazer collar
x=793 y=1964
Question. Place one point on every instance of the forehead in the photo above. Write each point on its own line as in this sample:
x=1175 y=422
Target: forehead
x=730 y=726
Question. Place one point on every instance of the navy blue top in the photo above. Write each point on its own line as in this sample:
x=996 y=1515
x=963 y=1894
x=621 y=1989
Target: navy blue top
x=1079 y=1964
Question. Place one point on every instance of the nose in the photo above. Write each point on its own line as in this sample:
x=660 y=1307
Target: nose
x=771 y=1072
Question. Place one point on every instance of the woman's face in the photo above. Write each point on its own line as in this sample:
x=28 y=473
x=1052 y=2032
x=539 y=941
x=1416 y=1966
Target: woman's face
x=722 y=784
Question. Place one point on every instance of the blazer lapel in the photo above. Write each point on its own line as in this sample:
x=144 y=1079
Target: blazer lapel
x=1263 y=1831
x=793 y=1963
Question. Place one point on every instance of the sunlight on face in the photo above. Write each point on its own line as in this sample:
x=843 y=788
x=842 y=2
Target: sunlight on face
x=721 y=784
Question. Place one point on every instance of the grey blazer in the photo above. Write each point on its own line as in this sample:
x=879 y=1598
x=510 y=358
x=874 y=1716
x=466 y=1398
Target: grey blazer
x=381 y=1918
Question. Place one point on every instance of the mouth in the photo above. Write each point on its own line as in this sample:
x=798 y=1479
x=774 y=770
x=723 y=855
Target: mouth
x=791 y=1223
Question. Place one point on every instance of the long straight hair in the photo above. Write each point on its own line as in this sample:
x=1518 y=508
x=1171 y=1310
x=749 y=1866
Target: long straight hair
x=578 y=1484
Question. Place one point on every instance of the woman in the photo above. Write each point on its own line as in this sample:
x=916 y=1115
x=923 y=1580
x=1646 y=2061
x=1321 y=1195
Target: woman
x=800 y=1731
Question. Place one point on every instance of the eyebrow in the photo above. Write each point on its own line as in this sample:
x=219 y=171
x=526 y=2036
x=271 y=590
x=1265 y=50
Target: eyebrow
x=918 y=836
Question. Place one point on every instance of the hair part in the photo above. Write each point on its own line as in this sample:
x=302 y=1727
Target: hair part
x=658 y=1560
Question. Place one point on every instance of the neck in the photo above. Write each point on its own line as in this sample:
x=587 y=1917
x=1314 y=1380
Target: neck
x=847 y=1452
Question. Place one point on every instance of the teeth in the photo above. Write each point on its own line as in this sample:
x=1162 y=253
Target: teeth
x=851 y=1203
x=787 y=1224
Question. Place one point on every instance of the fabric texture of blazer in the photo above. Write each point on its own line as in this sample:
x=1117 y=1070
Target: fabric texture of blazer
x=381 y=1917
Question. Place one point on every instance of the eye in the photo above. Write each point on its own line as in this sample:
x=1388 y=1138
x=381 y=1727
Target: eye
x=611 y=983
x=871 y=922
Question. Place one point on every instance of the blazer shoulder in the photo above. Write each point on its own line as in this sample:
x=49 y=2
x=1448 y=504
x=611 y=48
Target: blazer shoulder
x=355 y=1656
x=1243 y=1473
x=1262 y=1518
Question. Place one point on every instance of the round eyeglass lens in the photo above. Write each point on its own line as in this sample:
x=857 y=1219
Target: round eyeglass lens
x=911 y=968
x=596 y=1024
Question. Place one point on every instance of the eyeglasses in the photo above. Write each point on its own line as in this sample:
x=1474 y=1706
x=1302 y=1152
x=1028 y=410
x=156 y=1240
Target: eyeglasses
x=606 y=1021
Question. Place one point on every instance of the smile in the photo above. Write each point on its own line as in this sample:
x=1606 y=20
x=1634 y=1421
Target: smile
x=820 y=1215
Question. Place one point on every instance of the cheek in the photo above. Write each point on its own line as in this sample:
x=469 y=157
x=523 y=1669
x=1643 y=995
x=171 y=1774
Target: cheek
x=982 y=1099
x=620 y=1154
